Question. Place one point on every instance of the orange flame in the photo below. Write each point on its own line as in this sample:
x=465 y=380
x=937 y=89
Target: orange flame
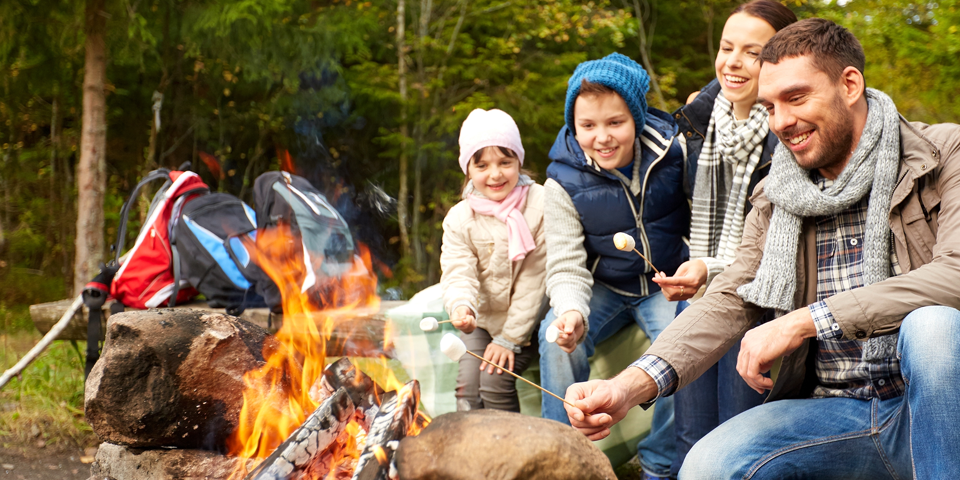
x=276 y=397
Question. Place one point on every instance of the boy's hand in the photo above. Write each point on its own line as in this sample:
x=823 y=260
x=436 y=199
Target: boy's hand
x=464 y=320
x=498 y=355
x=684 y=284
x=570 y=325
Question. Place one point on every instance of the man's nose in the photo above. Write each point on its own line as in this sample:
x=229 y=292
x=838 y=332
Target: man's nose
x=782 y=119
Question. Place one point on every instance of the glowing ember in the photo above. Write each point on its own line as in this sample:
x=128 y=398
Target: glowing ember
x=276 y=397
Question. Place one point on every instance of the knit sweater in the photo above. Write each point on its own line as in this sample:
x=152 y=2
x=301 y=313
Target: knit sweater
x=569 y=283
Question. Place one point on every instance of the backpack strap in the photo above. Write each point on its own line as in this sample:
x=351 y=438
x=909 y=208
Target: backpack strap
x=94 y=295
x=172 y=235
x=158 y=174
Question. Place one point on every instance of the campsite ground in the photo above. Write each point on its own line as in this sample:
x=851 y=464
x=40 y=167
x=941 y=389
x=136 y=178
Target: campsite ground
x=43 y=434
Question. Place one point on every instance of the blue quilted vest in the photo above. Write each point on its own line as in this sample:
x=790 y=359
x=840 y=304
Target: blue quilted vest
x=659 y=218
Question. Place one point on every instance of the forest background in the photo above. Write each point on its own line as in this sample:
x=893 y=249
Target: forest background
x=364 y=98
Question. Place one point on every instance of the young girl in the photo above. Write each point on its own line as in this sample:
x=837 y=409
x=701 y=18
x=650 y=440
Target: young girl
x=731 y=158
x=494 y=261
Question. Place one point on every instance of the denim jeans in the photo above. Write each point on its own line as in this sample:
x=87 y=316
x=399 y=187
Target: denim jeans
x=916 y=435
x=715 y=397
x=609 y=313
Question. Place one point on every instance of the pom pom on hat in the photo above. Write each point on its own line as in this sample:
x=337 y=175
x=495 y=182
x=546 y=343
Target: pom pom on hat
x=615 y=71
x=488 y=128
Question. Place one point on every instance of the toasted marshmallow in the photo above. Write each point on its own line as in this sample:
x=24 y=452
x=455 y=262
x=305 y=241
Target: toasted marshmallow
x=624 y=242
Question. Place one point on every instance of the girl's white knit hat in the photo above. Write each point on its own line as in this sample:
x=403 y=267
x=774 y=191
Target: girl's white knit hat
x=488 y=128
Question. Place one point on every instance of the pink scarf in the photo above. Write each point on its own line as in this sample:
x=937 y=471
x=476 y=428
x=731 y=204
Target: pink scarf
x=508 y=211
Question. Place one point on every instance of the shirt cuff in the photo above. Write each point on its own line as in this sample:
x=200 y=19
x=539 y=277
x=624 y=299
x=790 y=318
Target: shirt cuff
x=661 y=372
x=827 y=326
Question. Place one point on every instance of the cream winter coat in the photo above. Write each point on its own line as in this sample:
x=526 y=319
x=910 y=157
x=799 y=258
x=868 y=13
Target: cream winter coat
x=505 y=296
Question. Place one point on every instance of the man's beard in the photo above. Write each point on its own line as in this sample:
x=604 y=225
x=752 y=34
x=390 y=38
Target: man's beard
x=835 y=142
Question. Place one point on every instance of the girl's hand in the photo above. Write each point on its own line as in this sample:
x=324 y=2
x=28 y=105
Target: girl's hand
x=683 y=285
x=464 y=320
x=498 y=355
x=570 y=325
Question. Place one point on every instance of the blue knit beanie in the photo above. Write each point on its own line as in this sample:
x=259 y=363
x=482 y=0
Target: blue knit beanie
x=616 y=71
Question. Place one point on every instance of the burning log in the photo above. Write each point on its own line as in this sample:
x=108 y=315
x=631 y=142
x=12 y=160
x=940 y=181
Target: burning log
x=364 y=392
x=397 y=414
x=321 y=429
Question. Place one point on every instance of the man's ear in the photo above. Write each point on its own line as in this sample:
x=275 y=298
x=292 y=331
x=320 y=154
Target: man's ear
x=852 y=85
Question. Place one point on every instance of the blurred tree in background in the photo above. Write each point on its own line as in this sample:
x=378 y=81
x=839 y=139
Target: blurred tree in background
x=364 y=98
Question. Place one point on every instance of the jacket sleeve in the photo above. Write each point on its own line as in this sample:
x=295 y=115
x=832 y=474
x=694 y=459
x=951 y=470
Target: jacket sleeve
x=569 y=283
x=703 y=333
x=527 y=294
x=458 y=263
x=879 y=309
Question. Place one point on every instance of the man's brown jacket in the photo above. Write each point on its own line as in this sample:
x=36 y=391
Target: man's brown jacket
x=925 y=219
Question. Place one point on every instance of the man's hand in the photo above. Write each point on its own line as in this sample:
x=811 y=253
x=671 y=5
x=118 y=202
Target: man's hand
x=498 y=355
x=607 y=401
x=570 y=325
x=463 y=319
x=763 y=345
x=683 y=285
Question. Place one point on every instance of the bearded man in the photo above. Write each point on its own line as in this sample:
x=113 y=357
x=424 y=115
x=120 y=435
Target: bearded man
x=854 y=239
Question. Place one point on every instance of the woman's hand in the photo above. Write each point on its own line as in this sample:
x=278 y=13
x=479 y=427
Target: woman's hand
x=683 y=285
x=463 y=319
x=498 y=355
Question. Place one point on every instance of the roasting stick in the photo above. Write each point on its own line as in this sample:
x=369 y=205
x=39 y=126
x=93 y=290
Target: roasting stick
x=453 y=347
x=625 y=242
x=44 y=342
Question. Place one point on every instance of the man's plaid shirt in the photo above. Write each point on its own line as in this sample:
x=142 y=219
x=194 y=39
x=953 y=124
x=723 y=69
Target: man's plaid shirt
x=840 y=370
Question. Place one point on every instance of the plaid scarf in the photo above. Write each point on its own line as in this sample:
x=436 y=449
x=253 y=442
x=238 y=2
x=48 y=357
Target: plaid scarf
x=722 y=185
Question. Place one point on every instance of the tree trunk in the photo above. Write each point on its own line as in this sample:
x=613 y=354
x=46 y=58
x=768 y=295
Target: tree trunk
x=91 y=182
x=645 y=53
x=403 y=205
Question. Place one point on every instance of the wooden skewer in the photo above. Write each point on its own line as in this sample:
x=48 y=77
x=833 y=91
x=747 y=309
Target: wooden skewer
x=444 y=321
x=648 y=261
x=544 y=390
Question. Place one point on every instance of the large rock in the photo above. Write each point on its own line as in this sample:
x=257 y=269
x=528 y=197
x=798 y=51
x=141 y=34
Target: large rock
x=493 y=444
x=122 y=463
x=172 y=377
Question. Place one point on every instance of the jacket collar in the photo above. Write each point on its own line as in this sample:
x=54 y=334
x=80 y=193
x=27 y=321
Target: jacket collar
x=697 y=113
x=918 y=157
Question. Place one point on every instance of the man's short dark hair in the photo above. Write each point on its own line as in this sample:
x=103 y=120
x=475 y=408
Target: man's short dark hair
x=831 y=48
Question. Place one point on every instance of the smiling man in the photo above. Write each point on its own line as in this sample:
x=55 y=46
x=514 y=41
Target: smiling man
x=854 y=239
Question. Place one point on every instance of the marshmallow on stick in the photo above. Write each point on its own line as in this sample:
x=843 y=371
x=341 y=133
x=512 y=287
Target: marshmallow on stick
x=430 y=324
x=625 y=243
x=552 y=333
x=453 y=347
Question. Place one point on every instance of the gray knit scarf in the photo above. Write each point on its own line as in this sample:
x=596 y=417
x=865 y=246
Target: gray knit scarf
x=720 y=198
x=872 y=168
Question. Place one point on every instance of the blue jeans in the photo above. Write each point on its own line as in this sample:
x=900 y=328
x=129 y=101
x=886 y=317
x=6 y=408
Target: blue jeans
x=916 y=435
x=609 y=313
x=715 y=397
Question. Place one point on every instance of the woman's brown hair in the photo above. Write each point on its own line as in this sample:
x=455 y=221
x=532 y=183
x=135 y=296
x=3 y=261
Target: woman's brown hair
x=774 y=13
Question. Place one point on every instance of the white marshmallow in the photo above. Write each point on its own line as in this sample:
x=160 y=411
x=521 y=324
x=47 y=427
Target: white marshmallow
x=452 y=346
x=624 y=242
x=429 y=324
x=552 y=334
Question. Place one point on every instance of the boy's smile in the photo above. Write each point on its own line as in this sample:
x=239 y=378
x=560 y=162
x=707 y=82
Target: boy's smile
x=605 y=129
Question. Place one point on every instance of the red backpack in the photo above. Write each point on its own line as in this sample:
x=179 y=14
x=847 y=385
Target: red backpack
x=153 y=263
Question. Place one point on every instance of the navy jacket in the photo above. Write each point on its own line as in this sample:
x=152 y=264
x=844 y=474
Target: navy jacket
x=693 y=120
x=659 y=217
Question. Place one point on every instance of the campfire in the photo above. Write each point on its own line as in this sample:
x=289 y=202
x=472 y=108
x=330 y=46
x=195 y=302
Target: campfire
x=310 y=422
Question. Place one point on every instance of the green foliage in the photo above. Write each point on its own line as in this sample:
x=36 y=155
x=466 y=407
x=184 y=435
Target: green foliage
x=46 y=402
x=247 y=80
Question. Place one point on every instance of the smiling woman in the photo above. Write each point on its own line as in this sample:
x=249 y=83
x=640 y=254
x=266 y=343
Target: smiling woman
x=732 y=157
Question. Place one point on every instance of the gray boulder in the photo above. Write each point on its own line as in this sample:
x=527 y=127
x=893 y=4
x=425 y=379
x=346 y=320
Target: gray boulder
x=172 y=378
x=493 y=444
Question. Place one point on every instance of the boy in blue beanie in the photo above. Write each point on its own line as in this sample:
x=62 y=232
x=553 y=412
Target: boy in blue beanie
x=617 y=167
